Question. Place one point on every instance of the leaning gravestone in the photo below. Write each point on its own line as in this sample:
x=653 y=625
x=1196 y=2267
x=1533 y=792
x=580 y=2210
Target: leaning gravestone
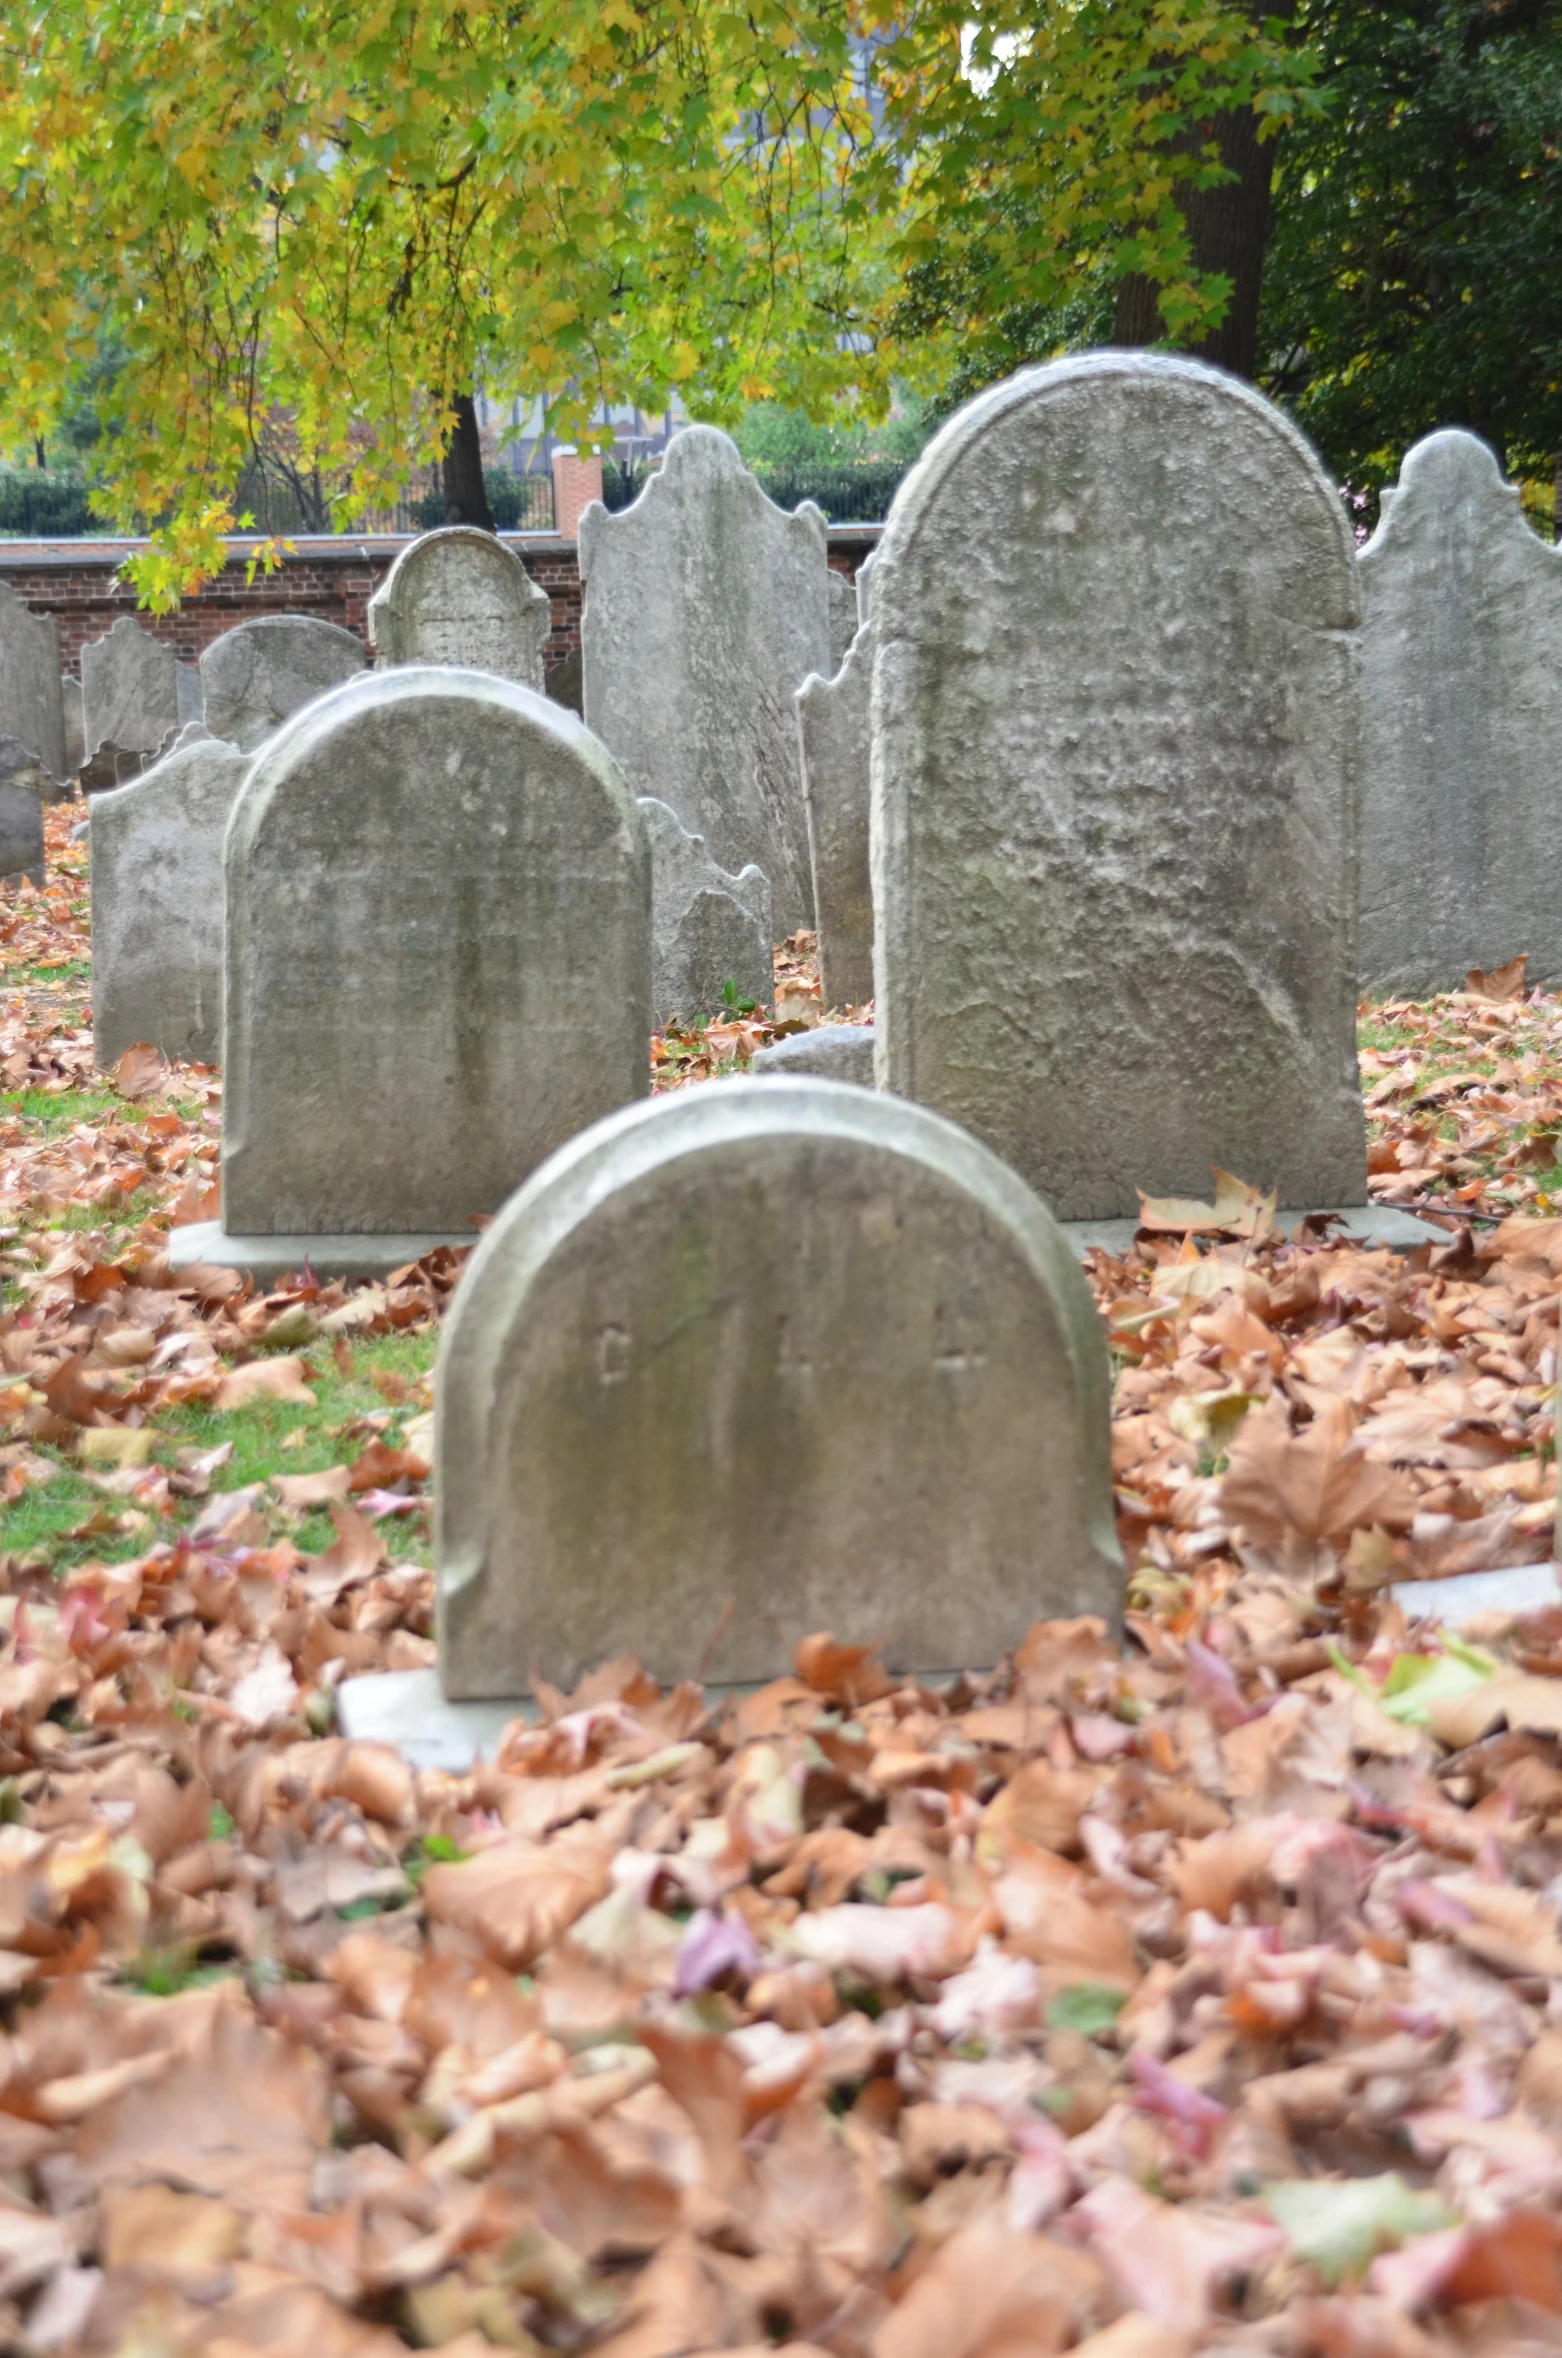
x=709 y=930
x=129 y=691
x=255 y=676
x=459 y=596
x=31 y=704
x=705 y=608
x=833 y=737
x=157 y=903
x=759 y=1359
x=1461 y=860
x=407 y=973
x=1115 y=770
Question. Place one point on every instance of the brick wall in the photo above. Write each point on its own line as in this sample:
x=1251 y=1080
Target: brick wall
x=78 y=583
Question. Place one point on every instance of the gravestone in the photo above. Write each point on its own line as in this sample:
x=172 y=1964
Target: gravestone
x=75 y=724
x=25 y=786
x=829 y=1052
x=459 y=596
x=759 y=1359
x=157 y=903
x=708 y=929
x=31 y=706
x=255 y=676
x=1115 y=775
x=1461 y=860
x=843 y=616
x=129 y=691
x=425 y=992
x=833 y=738
x=705 y=608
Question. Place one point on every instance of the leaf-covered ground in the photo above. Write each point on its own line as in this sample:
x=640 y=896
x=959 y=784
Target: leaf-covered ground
x=1203 y=1993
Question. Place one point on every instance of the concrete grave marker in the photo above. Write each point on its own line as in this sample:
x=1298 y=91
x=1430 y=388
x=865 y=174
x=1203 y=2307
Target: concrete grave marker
x=25 y=786
x=708 y=929
x=257 y=675
x=705 y=608
x=130 y=691
x=157 y=903
x=1461 y=858
x=408 y=972
x=763 y=1358
x=1115 y=775
x=459 y=596
x=834 y=740
x=31 y=704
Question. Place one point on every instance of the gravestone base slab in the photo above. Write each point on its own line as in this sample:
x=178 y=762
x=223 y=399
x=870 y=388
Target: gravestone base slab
x=269 y=1258
x=1363 y=1224
x=408 y=1708
x=1512 y=1588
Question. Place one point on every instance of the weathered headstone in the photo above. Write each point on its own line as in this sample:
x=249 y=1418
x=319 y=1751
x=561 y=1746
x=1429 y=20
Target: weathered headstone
x=257 y=675
x=459 y=596
x=25 y=786
x=31 y=709
x=408 y=973
x=708 y=929
x=129 y=690
x=834 y=741
x=75 y=724
x=829 y=1052
x=157 y=903
x=1115 y=778
x=705 y=608
x=843 y=616
x=1461 y=858
x=189 y=695
x=760 y=1359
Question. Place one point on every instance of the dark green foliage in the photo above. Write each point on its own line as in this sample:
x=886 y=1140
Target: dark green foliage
x=36 y=503
x=519 y=503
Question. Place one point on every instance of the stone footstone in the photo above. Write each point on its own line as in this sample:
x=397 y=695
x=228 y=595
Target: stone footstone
x=708 y=929
x=459 y=596
x=830 y=1052
x=1365 y=1224
x=268 y=1259
x=32 y=705
x=758 y=1359
x=258 y=675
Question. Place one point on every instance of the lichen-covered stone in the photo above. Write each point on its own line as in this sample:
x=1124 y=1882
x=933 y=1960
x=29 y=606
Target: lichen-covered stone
x=31 y=705
x=706 y=607
x=708 y=929
x=257 y=675
x=1461 y=855
x=438 y=958
x=1115 y=788
x=759 y=1359
x=833 y=736
x=157 y=903
x=459 y=596
x=129 y=690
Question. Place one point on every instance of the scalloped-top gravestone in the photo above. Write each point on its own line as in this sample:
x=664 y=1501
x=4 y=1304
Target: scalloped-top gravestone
x=759 y=1359
x=425 y=992
x=130 y=690
x=1115 y=779
x=1461 y=860
x=706 y=606
x=257 y=675
x=710 y=932
x=459 y=596
x=32 y=708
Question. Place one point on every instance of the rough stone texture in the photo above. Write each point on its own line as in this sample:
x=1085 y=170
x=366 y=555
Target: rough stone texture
x=75 y=724
x=865 y=585
x=1461 y=859
x=1115 y=789
x=459 y=596
x=31 y=708
x=189 y=695
x=564 y=683
x=760 y=1359
x=129 y=690
x=843 y=617
x=157 y=904
x=834 y=742
x=25 y=786
x=425 y=992
x=831 y=1052
x=707 y=928
x=254 y=677
x=706 y=608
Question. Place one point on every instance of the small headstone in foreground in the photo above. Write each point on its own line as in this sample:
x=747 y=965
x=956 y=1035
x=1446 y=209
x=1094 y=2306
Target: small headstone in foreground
x=1115 y=770
x=833 y=734
x=31 y=706
x=425 y=993
x=706 y=606
x=759 y=1359
x=129 y=691
x=709 y=930
x=157 y=903
x=1461 y=857
x=459 y=596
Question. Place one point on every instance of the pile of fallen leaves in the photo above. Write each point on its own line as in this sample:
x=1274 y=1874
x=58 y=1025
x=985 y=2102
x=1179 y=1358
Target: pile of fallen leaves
x=1194 y=1993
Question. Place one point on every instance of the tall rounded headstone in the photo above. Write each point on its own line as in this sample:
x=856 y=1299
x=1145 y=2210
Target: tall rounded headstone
x=438 y=956
x=459 y=596
x=706 y=607
x=1115 y=789
x=758 y=1359
x=1461 y=856
x=32 y=706
x=260 y=673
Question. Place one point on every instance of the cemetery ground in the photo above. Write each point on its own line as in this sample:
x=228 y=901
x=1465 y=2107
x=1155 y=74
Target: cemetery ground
x=1199 y=1994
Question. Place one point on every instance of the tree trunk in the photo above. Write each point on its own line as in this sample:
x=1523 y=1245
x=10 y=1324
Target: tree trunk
x=461 y=471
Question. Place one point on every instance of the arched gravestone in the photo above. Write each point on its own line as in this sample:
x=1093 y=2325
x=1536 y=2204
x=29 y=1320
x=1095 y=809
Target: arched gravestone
x=763 y=1358
x=1115 y=789
x=1461 y=856
x=260 y=673
x=706 y=606
x=438 y=957
x=459 y=596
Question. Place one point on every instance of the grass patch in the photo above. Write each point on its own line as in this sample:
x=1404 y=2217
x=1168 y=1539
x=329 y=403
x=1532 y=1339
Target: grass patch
x=57 y=1110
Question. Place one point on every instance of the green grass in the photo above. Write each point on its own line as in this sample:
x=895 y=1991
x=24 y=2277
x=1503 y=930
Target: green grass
x=70 y=971
x=61 y=1109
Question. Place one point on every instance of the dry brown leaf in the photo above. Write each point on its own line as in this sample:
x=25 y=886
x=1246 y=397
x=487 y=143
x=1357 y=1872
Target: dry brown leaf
x=264 y=1379
x=991 y=2292
x=1319 y=1484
